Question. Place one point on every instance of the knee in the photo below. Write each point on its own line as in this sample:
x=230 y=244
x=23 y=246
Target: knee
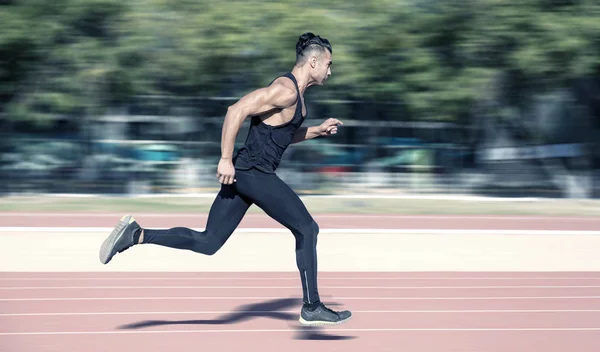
x=314 y=228
x=211 y=250
x=211 y=245
x=215 y=246
x=310 y=230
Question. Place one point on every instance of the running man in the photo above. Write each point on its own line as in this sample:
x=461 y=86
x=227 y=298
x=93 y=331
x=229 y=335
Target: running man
x=277 y=113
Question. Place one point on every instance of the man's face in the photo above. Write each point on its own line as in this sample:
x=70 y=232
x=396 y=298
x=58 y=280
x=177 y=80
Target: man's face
x=323 y=68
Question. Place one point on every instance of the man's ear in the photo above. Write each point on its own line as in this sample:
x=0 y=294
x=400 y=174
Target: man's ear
x=313 y=61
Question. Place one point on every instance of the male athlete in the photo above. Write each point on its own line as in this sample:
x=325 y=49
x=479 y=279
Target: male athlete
x=277 y=112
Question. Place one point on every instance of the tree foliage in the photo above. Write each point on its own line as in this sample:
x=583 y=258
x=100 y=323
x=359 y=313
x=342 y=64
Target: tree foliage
x=434 y=58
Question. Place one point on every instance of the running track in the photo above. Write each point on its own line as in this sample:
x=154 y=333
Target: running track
x=395 y=311
x=414 y=312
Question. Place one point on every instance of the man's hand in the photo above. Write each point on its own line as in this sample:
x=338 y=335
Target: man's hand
x=226 y=171
x=329 y=126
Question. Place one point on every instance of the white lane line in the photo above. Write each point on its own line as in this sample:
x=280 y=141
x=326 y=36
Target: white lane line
x=208 y=331
x=189 y=278
x=332 y=216
x=162 y=298
x=283 y=287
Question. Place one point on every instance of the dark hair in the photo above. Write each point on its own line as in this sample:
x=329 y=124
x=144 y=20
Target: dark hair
x=308 y=42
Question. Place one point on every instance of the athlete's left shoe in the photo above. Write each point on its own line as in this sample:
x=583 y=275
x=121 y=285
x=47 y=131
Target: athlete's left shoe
x=322 y=315
x=120 y=239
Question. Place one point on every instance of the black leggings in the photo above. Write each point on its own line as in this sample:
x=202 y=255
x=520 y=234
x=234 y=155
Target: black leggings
x=276 y=199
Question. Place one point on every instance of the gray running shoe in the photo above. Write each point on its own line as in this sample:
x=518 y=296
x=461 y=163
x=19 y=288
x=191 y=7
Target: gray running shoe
x=323 y=316
x=119 y=239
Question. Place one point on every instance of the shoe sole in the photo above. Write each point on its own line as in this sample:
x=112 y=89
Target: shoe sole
x=321 y=322
x=115 y=235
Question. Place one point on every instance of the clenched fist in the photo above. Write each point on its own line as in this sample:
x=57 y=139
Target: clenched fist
x=329 y=126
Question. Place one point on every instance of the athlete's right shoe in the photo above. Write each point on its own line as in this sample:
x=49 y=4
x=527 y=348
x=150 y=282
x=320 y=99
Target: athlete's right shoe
x=322 y=315
x=120 y=239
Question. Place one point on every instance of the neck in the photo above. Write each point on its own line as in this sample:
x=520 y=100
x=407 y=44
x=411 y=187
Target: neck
x=303 y=77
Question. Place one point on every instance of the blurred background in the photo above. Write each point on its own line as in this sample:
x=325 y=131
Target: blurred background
x=486 y=97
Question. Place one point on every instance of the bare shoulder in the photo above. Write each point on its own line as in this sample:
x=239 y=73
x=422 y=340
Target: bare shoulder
x=280 y=94
x=283 y=91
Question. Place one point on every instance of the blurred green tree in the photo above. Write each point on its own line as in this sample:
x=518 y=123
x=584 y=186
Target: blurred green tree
x=434 y=59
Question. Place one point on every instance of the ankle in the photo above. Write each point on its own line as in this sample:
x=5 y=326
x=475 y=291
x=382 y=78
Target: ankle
x=312 y=306
x=138 y=236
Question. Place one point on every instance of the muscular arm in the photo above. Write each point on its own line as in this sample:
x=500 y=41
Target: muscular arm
x=329 y=126
x=304 y=133
x=278 y=95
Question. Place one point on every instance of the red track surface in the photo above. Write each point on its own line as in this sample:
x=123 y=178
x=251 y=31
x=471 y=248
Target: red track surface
x=414 y=312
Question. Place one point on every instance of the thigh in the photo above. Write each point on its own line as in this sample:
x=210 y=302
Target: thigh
x=278 y=200
x=226 y=212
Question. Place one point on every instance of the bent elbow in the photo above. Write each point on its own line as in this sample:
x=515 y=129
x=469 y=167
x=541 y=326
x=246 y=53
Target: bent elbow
x=231 y=112
x=235 y=115
x=236 y=110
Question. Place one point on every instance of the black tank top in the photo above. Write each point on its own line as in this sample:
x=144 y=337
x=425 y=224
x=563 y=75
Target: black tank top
x=265 y=144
